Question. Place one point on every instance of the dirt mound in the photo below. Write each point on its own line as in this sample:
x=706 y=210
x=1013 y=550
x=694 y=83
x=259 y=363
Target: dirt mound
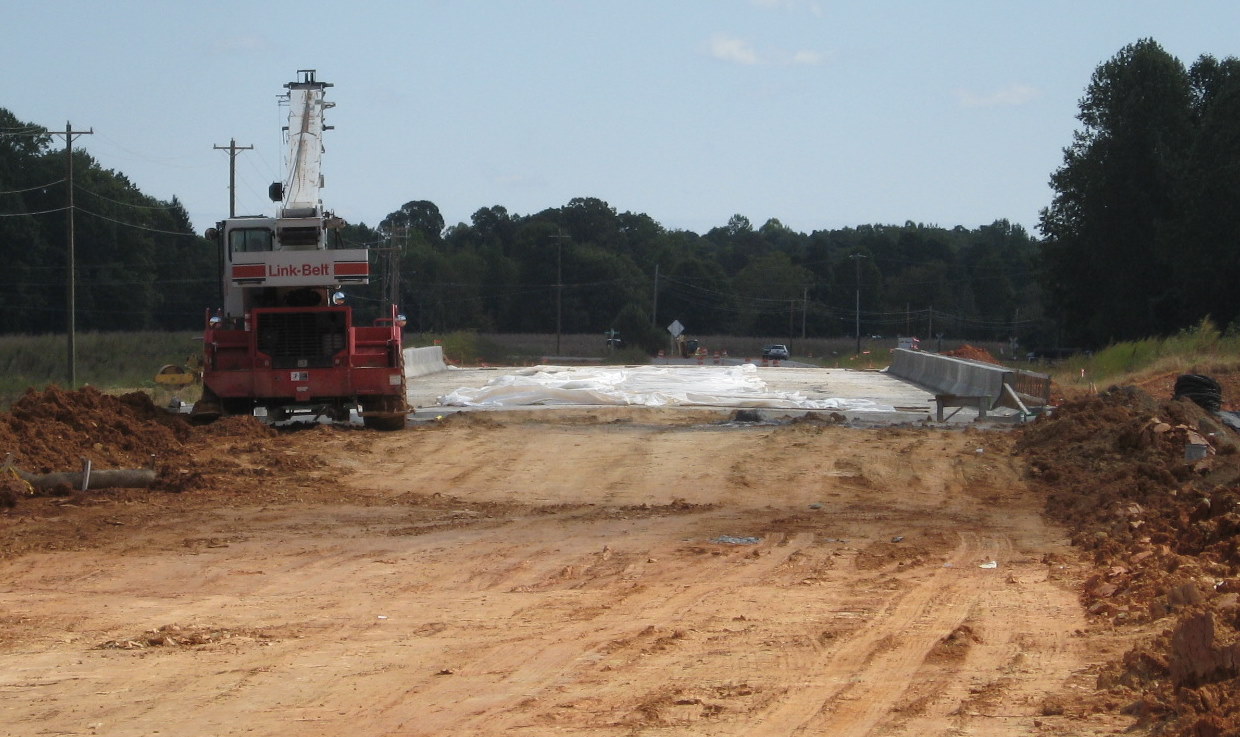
x=53 y=430
x=1151 y=490
x=238 y=426
x=973 y=353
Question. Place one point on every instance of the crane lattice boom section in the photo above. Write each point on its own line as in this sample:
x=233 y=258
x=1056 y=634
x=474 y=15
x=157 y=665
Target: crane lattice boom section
x=307 y=104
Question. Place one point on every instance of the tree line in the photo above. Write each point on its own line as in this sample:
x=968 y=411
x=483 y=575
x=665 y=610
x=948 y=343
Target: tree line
x=582 y=267
x=1142 y=235
x=139 y=265
x=1136 y=242
x=589 y=268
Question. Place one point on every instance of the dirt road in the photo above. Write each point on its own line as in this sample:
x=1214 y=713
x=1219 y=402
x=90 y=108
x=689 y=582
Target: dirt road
x=615 y=572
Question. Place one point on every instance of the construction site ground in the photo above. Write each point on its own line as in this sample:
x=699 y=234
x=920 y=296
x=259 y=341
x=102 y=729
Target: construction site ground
x=614 y=571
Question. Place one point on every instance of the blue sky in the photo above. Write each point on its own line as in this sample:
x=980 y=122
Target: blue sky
x=820 y=114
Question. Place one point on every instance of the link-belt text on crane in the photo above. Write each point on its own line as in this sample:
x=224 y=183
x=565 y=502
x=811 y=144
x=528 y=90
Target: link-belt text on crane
x=298 y=269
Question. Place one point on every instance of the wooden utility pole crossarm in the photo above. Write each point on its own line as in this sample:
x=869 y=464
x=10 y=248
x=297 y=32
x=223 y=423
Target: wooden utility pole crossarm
x=232 y=148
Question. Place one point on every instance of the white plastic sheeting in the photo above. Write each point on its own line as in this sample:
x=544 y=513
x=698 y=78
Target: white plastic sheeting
x=645 y=386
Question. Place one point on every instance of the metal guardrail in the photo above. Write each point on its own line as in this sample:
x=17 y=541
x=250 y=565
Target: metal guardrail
x=1033 y=388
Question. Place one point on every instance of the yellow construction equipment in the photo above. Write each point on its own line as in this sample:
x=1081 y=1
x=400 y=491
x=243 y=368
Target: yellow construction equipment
x=173 y=374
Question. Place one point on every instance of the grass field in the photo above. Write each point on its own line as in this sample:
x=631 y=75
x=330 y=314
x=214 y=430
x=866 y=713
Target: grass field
x=1202 y=349
x=107 y=361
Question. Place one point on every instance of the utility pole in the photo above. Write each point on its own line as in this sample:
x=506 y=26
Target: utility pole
x=71 y=278
x=232 y=148
x=391 y=276
x=654 y=309
x=559 y=286
x=856 y=257
x=804 y=309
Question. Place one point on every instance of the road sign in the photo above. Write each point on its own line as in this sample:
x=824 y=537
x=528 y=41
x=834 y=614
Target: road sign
x=675 y=328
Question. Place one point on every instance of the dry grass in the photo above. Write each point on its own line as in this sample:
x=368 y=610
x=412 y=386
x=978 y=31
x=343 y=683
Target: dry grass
x=108 y=361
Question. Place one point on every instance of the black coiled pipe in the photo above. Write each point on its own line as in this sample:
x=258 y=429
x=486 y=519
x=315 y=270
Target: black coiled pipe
x=1201 y=390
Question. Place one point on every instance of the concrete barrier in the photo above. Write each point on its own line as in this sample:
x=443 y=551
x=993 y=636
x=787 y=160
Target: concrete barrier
x=959 y=382
x=423 y=361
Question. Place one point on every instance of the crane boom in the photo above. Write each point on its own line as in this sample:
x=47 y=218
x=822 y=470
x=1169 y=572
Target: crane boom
x=307 y=104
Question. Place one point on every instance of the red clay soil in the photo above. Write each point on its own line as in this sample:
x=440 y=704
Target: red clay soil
x=1163 y=530
x=1163 y=385
x=1163 y=533
x=973 y=353
x=55 y=430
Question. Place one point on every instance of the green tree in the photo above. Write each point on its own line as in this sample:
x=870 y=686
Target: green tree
x=418 y=215
x=1105 y=256
x=697 y=292
x=1205 y=266
x=770 y=290
x=633 y=324
x=589 y=220
x=30 y=273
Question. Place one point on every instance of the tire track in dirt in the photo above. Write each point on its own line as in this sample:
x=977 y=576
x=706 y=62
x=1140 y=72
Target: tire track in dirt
x=856 y=683
x=522 y=580
x=504 y=672
x=1024 y=650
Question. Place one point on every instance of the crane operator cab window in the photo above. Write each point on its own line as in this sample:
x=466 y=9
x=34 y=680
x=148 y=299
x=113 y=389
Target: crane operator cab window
x=245 y=240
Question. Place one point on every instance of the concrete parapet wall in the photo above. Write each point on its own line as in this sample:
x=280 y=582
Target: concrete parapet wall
x=423 y=361
x=948 y=375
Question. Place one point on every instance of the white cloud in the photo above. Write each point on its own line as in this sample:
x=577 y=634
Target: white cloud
x=806 y=58
x=739 y=51
x=810 y=5
x=1010 y=96
x=729 y=48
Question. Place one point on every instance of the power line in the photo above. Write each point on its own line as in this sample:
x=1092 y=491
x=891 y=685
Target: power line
x=80 y=188
x=31 y=189
x=36 y=212
x=144 y=155
x=102 y=311
x=180 y=233
x=96 y=282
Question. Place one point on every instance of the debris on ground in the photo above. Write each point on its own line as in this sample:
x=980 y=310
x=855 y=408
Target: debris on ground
x=731 y=540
